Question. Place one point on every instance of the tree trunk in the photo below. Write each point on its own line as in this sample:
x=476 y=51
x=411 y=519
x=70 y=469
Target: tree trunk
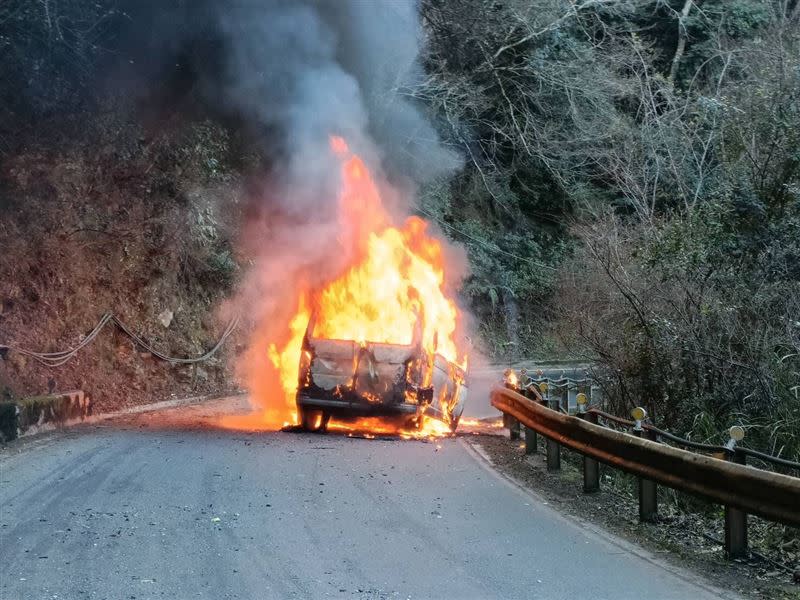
x=676 y=60
x=512 y=321
x=795 y=15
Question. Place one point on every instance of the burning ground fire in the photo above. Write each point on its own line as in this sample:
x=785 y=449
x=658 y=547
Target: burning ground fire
x=393 y=293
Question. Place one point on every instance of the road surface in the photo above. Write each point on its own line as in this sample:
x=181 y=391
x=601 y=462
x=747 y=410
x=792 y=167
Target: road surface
x=162 y=505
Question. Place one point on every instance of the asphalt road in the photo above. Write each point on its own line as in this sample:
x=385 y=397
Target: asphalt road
x=162 y=505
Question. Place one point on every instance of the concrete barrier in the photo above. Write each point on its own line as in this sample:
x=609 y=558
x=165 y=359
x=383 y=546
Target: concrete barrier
x=21 y=416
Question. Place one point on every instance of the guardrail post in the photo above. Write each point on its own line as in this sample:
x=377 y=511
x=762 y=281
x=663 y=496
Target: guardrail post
x=735 y=519
x=735 y=523
x=648 y=496
x=513 y=428
x=591 y=469
x=511 y=423
x=572 y=395
x=595 y=395
x=648 y=492
x=553 y=447
x=531 y=440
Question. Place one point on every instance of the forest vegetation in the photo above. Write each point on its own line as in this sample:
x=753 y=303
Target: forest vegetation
x=649 y=151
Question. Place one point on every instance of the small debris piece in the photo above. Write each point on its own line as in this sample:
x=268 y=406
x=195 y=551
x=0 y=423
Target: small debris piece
x=165 y=317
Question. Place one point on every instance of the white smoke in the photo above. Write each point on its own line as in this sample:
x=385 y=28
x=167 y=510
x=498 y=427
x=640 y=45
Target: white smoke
x=303 y=70
x=298 y=72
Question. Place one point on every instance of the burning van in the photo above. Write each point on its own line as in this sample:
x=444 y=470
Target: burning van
x=378 y=345
x=349 y=379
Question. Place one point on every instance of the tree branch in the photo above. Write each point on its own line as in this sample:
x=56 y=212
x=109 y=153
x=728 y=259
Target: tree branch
x=673 y=70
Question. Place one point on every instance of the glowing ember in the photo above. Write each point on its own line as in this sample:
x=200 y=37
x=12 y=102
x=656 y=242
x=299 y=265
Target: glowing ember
x=369 y=427
x=510 y=378
x=496 y=423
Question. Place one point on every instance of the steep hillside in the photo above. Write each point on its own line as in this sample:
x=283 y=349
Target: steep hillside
x=113 y=217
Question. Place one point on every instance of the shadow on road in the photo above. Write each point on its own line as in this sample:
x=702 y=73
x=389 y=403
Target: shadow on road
x=235 y=416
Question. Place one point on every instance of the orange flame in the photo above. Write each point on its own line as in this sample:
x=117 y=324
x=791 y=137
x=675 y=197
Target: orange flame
x=369 y=427
x=399 y=280
x=394 y=284
x=510 y=377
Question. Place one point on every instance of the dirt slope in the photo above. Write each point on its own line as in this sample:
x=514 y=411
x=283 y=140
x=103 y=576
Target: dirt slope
x=117 y=218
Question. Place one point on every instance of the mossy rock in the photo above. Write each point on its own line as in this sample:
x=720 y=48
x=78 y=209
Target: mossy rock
x=37 y=410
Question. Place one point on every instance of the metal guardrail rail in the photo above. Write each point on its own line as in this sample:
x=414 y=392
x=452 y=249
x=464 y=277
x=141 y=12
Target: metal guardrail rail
x=562 y=388
x=741 y=489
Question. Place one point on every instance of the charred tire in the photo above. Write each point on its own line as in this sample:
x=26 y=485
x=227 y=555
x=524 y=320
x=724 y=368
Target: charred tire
x=313 y=420
x=455 y=419
x=454 y=423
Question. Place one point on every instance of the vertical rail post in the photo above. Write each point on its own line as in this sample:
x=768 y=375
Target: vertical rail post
x=591 y=469
x=735 y=519
x=531 y=440
x=511 y=423
x=529 y=433
x=553 y=455
x=565 y=397
x=572 y=395
x=553 y=447
x=648 y=492
x=595 y=395
x=510 y=382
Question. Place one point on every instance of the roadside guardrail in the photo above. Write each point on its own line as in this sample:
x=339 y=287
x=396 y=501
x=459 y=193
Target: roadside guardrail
x=717 y=473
